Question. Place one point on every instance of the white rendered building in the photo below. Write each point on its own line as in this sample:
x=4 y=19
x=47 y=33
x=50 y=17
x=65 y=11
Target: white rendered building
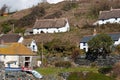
x=51 y=26
x=112 y=16
x=83 y=43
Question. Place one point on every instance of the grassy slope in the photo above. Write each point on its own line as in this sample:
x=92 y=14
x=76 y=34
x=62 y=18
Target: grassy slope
x=53 y=70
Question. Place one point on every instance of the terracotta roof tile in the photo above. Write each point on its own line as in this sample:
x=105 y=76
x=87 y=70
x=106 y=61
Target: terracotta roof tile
x=15 y=49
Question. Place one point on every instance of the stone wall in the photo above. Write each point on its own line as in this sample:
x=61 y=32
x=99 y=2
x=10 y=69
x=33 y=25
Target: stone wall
x=2 y=71
x=109 y=61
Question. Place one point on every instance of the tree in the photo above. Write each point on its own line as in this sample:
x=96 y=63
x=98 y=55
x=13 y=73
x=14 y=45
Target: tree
x=99 y=45
x=3 y=9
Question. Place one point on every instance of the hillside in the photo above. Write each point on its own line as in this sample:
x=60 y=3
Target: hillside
x=78 y=13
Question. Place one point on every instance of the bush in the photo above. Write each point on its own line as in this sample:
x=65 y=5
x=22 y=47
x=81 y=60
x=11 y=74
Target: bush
x=105 y=70
x=6 y=28
x=65 y=64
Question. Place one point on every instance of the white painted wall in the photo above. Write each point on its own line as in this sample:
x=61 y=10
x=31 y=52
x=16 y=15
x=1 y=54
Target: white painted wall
x=117 y=42
x=33 y=46
x=111 y=20
x=20 y=40
x=52 y=30
x=8 y=58
x=82 y=46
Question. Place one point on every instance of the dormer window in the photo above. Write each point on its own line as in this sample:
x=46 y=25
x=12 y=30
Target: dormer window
x=115 y=18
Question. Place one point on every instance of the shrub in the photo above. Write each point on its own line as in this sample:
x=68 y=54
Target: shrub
x=65 y=64
x=19 y=30
x=6 y=28
x=105 y=70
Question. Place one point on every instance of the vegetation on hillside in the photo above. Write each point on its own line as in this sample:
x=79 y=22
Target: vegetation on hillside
x=88 y=76
x=99 y=45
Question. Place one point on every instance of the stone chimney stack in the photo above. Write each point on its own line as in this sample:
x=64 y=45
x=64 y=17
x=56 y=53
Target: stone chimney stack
x=2 y=42
x=94 y=32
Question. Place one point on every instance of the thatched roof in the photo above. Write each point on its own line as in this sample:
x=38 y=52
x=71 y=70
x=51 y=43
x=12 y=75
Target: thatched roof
x=113 y=13
x=50 y=23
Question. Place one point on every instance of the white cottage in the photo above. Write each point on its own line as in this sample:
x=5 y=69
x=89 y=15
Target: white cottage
x=112 y=16
x=30 y=43
x=15 y=55
x=84 y=40
x=16 y=38
x=51 y=26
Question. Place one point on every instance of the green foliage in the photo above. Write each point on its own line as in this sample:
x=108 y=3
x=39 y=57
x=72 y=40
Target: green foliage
x=6 y=28
x=100 y=41
x=105 y=70
x=76 y=76
x=70 y=5
x=88 y=76
x=99 y=45
x=65 y=64
x=8 y=25
x=19 y=30
x=57 y=45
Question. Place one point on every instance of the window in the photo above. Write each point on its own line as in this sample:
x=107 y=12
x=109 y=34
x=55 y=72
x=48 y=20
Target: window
x=27 y=58
x=84 y=49
x=33 y=47
x=84 y=44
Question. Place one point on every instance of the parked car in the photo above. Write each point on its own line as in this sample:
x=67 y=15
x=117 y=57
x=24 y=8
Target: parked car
x=34 y=73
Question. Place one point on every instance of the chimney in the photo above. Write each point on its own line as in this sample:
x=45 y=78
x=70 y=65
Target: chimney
x=94 y=32
x=111 y=9
x=100 y=12
x=2 y=42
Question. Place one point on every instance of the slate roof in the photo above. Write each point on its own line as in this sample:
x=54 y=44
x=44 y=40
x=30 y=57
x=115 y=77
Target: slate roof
x=8 y=38
x=15 y=49
x=50 y=23
x=114 y=36
x=113 y=13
